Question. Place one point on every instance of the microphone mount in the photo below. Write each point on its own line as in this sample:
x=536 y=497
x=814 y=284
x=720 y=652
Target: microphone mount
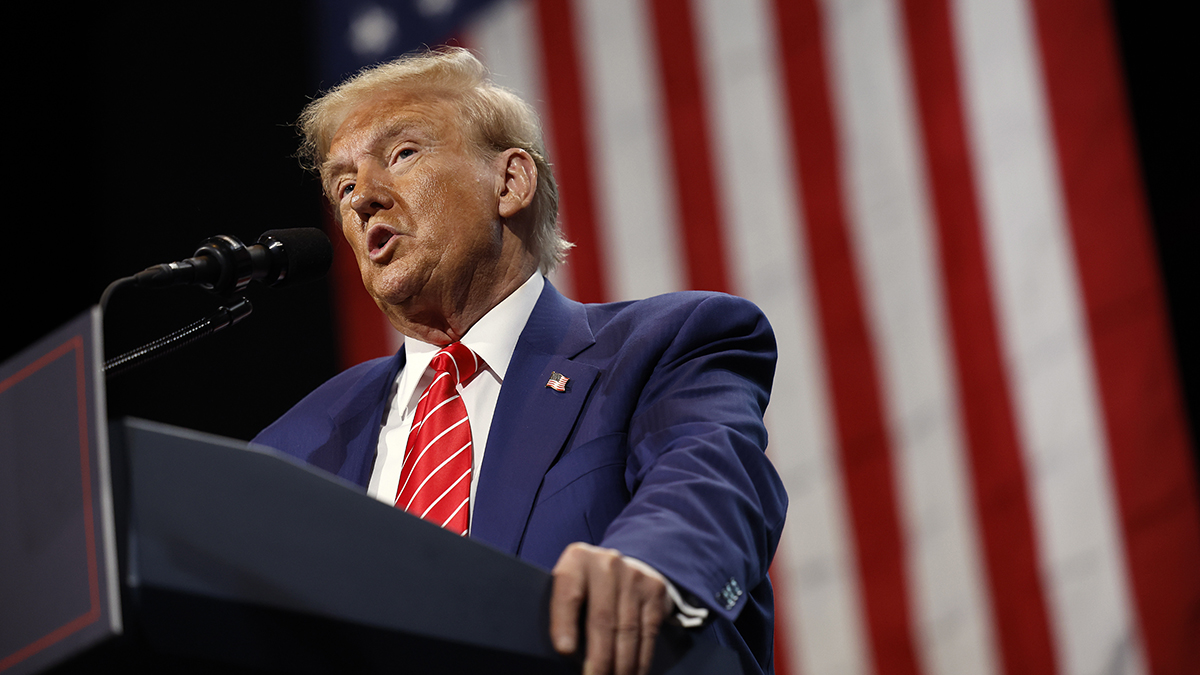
x=224 y=265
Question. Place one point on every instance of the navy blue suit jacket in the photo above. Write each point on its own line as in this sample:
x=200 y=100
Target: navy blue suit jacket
x=655 y=449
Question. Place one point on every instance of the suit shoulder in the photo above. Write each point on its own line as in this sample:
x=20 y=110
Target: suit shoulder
x=709 y=309
x=314 y=409
x=350 y=378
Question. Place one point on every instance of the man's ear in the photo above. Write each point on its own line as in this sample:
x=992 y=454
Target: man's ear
x=519 y=181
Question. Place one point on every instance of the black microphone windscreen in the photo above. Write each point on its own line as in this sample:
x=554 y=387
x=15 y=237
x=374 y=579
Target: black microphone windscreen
x=309 y=253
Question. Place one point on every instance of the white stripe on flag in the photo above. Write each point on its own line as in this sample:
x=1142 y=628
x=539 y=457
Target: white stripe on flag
x=892 y=232
x=505 y=38
x=635 y=202
x=769 y=265
x=1045 y=340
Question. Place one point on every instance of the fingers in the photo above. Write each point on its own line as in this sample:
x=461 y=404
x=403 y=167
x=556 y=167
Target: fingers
x=566 y=598
x=642 y=606
x=626 y=604
x=653 y=615
x=626 y=634
x=602 y=610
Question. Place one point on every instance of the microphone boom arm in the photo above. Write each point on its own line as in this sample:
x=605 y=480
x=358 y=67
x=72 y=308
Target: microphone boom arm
x=224 y=317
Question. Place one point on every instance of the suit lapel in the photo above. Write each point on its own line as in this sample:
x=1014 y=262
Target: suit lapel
x=357 y=416
x=532 y=421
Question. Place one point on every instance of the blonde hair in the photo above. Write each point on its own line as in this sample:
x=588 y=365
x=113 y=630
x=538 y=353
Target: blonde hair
x=495 y=119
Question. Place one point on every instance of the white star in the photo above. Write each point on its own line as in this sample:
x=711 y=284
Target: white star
x=435 y=7
x=372 y=31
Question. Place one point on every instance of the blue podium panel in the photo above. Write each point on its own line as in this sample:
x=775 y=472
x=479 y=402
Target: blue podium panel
x=58 y=575
x=243 y=555
x=216 y=519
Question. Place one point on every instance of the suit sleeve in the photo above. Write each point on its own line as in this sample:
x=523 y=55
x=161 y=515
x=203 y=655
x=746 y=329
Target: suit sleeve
x=706 y=507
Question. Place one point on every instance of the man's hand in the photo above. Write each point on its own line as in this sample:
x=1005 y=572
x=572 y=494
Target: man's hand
x=626 y=601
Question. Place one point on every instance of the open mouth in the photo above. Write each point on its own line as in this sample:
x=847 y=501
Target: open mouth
x=378 y=238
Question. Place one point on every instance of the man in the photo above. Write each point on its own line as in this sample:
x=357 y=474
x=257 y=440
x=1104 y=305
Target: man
x=621 y=445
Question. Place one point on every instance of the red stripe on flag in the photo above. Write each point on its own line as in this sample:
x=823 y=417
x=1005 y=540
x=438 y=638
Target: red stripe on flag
x=361 y=330
x=853 y=375
x=688 y=130
x=564 y=94
x=1139 y=387
x=998 y=472
x=783 y=657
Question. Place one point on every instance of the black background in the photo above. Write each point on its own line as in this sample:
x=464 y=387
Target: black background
x=140 y=132
x=167 y=125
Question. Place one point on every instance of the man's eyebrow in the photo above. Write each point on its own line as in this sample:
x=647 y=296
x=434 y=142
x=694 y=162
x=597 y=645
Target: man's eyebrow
x=397 y=127
x=331 y=167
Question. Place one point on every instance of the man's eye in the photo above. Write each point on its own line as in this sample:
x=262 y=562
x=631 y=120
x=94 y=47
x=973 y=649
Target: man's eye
x=347 y=189
x=405 y=153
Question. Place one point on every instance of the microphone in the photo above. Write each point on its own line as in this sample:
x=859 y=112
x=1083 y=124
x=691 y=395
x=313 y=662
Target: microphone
x=224 y=265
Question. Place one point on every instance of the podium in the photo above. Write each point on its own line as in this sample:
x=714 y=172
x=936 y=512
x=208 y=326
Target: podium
x=138 y=544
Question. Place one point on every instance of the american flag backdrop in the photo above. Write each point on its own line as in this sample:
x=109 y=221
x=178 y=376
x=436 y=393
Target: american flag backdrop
x=937 y=204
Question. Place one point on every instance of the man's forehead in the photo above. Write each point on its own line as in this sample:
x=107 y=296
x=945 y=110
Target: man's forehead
x=385 y=116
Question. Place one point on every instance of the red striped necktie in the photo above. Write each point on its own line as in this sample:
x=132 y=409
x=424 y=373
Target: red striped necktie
x=435 y=482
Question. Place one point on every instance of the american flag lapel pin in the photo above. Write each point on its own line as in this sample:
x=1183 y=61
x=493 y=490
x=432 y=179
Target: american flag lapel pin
x=558 y=381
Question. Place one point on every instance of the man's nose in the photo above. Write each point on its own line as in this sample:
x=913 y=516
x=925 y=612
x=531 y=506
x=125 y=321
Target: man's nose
x=372 y=192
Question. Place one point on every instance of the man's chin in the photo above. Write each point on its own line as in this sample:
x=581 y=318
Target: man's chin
x=392 y=284
x=389 y=291
x=391 y=298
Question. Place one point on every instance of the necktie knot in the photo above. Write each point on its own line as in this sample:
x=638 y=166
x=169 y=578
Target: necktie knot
x=458 y=360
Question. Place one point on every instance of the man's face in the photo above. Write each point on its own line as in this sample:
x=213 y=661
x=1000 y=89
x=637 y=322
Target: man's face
x=418 y=205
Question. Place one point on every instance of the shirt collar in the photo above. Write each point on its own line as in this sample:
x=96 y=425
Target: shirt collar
x=494 y=336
